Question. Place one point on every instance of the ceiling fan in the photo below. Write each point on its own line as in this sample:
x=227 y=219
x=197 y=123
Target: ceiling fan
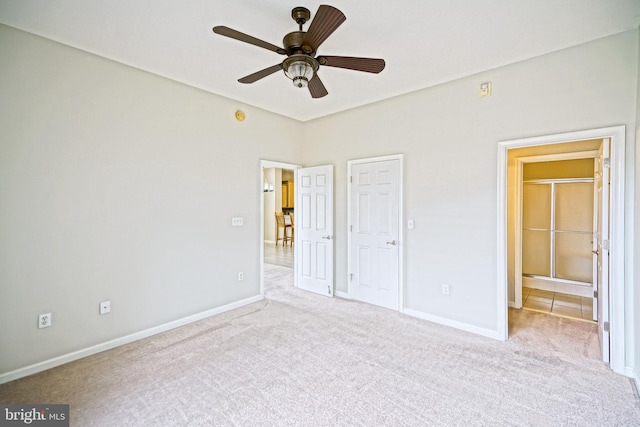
x=301 y=64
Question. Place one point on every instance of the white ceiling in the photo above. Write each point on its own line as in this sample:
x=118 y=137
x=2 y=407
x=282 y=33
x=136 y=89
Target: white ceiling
x=424 y=42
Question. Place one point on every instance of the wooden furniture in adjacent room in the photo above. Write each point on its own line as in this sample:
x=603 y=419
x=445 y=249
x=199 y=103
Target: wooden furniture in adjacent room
x=288 y=196
x=282 y=225
x=288 y=220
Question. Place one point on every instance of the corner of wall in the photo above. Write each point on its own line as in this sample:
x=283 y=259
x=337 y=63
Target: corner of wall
x=634 y=334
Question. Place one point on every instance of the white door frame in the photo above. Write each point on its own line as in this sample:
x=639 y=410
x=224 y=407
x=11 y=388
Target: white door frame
x=266 y=164
x=350 y=163
x=520 y=162
x=622 y=254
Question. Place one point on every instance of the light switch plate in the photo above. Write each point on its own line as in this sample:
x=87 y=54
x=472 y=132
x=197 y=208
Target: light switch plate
x=237 y=221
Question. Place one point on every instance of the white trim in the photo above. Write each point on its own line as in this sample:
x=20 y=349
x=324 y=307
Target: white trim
x=517 y=270
x=633 y=373
x=400 y=159
x=454 y=324
x=270 y=164
x=502 y=277
x=79 y=354
x=341 y=294
x=617 y=237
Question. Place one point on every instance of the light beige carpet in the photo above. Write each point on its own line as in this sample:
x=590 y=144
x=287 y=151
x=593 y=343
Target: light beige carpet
x=301 y=359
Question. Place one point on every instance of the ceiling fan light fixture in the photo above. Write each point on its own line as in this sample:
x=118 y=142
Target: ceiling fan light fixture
x=300 y=69
x=301 y=65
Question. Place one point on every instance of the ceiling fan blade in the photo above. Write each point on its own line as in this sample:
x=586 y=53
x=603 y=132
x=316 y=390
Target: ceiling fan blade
x=228 y=32
x=326 y=21
x=260 y=74
x=369 y=65
x=316 y=87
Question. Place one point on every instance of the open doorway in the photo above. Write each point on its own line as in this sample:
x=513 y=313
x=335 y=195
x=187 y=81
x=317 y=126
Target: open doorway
x=552 y=212
x=309 y=206
x=277 y=230
x=611 y=251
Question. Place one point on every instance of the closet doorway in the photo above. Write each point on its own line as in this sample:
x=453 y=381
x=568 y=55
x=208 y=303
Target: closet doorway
x=554 y=263
x=556 y=231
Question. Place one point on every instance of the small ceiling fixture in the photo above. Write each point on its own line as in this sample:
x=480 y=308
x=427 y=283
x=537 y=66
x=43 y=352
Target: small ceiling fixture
x=300 y=69
x=302 y=64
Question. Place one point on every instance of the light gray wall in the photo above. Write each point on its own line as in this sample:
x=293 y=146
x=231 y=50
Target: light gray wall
x=449 y=138
x=114 y=184
x=118 y=184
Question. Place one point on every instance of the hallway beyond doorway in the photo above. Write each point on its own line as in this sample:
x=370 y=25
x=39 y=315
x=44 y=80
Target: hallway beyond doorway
x=278 y=254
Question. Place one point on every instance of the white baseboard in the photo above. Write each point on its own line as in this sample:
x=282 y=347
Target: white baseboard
x=342 y=294
x=454 y=324
x=79 y=354
x=633 y=374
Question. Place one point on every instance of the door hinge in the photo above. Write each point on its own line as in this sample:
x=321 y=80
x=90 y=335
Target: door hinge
x=329 y=289
x=605 y=326
x=606 y=162
x=351 y=277
x=351 y=228
x=605 y=245
x=351 y=179
x=595 y=294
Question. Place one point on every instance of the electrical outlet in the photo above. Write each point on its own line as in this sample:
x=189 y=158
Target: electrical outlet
x=44 y=320
x=445 y=289
x=240 y=276
x=105 y=307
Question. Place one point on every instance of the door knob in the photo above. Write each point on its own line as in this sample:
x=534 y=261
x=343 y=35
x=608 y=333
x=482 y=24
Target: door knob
x=327 y=237
x=393 y=242
x=595 y=252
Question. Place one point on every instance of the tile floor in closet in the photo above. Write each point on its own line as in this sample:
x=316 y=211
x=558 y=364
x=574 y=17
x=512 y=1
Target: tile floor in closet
x=558 y=304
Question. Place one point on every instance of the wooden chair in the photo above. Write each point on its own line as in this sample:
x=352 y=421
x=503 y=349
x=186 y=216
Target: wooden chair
x=281 y=225
x=288 y=220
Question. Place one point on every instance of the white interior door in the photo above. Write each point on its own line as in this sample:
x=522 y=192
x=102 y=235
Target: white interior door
x=374 y=219
x=314 y=229
x=601 y=247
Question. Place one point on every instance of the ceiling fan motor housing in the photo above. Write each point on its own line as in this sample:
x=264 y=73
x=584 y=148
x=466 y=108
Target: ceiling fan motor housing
x=293 y=44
